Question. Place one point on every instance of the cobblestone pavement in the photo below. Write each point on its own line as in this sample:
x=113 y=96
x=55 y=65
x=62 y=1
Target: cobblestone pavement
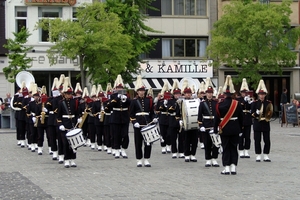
x=26 y=175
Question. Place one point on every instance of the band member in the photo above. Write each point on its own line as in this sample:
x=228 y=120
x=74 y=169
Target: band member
x=141 y=113
x=17 y=114
x=42 y=115
x=120 y=118
x=190 y=136
x=66 y=119
x=83 y=113
x=107 y=128
x=22 y=114
x=201 y=97
x=206 y=113
x=262 y=111
x=25 y=103
x=162 y=112
x=229 y=122
x=98 y=112
x=245 y=101
x=52 y=119
x=174 y=130
x=31 y=115
x=91 y=119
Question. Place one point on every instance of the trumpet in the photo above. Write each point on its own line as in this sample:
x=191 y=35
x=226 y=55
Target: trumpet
x=43 y=114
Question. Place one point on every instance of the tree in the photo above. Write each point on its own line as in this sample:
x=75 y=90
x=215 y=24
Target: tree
x=17 y=55
x=252 y=37
x=95 y=37
x=133 y=20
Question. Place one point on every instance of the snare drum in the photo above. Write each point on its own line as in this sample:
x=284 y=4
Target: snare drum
x=190 y=113
x=75 y=138
x=151 y=133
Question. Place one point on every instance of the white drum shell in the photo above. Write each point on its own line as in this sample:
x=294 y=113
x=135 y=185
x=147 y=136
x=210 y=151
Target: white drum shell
x=190 y=113
x=75 y=138
x=150 y=133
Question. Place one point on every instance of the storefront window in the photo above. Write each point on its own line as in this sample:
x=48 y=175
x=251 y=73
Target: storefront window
x=21 y=18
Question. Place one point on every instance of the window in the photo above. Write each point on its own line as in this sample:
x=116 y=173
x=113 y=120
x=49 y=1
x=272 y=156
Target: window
x=74 y=14
x=184 y=47
x=50 y=13
x=21 y=18
x=184 y=7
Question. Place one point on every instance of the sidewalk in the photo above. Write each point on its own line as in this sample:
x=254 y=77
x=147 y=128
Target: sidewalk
x=25 y=175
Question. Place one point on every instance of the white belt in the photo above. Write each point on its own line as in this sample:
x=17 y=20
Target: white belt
x=246 y=111
x=51 y=112
x=232 y=118
x=208 y=117
x=107 y=113
x=68 y=116
x=33 y=114
x=141 y=113
x=172 y=114
x=164 y=113
x=120 y=109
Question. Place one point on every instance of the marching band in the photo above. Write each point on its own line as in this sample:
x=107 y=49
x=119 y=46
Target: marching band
x=177 y=117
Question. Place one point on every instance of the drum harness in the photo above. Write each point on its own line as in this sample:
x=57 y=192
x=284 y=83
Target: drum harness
x=65 y=107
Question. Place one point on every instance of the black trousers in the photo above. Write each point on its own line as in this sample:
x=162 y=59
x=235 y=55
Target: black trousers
x=138 y=142
x=68 y=151
x=245 y=140
x=53 y=137
x=107 y=136
x=33 y=133
x=121 y=138
x=257 y=142
x=18 y=135
x=230 y=153
x=92 y=132
x=200 y=136
x=190 y=142
x=60 y=141
x=41 y=131
x=165 y=135
x=100 y=134
x=85 y=130
x=28 y=133
x=175 y=134
x=22 y=129
x=111 y=135
x=211 y=151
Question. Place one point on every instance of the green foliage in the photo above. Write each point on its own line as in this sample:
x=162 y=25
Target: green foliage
x=253 y=38
x=17 y=55
x=95 y=37
x=133 y=24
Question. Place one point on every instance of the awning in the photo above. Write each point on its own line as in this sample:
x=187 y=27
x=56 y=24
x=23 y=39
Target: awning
x=157 y=83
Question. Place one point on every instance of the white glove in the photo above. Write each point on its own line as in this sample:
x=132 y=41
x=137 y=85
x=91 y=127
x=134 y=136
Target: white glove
x=180 y=122
x=240 y=134
x=155 y=120
x=257 y=111
x=79 y=120
x=62 y=128
x=33 y=119
x=124 y=97
x=136 y=125
x=165 y=102
x=246 y=98
x=20 y=94
x=45 y=109
x=99 y=116
x=119 y=95
x=202 y=129
x=31 y=99
x=249 y=102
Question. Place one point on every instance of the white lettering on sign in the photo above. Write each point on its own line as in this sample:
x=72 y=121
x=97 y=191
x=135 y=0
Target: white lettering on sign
x=59 y=61
x=182 y=68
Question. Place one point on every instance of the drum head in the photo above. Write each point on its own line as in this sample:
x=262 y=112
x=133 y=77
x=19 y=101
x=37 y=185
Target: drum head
x=73 y=132
x=148 y=127
x=184 y=114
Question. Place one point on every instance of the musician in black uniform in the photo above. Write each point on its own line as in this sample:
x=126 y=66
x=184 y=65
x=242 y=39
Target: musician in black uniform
x=246 y=101
x=162 y=112
x=141 y=113
x=82 y=111
x=25 y=103
x=201 y=97
x=262 y=111
x=190 y=136
x=229 y=121
x=22 y=114
x=52 y=127
x=31 y=115
x=66 y=120
x=120 y=118
x=91 y=119
x=206 y=113
x=107 y=128
x=174 y=130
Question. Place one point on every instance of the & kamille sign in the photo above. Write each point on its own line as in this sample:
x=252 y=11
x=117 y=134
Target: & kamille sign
x=179 y=68
x=51 y=2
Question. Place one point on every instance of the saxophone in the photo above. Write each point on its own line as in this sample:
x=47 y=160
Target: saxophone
x=84 y=116
x=102 y=112
x=261 y=110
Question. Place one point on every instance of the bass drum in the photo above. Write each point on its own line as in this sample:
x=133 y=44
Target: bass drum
x=190 y=113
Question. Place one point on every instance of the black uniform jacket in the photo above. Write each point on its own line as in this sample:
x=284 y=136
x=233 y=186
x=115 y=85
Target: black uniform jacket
x=162 y=112
x=233 y=127
x=261 y=125
x=68 y=118
x=38 y=112
x=120 y=114
x=206 y=113
x=174 y=113
x=96 y=111
x=31 y=111
x=142 y=114
x=246 y=111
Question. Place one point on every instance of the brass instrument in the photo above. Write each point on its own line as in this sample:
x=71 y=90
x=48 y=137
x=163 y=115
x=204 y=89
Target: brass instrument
x=261 y=111
x=84 y=116
x=102 y=113
x=43 y=114
x=269 y=112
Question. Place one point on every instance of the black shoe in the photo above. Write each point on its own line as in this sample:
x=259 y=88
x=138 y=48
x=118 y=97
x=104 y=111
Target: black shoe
x=148 y=165
x=225 y=173
x=216 y=165
x=40 y=153
x=267 y=160
x=139 y=165
x=54 y=158
x=32 y=150
x=242 y=156
x=60 y=162
x=233 y=173
x=246 y=156
x=187 y=160
x=207 y=165
x=257 y=160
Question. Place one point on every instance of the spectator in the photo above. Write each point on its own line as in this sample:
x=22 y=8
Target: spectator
x=283 y=100
x=7 y=100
